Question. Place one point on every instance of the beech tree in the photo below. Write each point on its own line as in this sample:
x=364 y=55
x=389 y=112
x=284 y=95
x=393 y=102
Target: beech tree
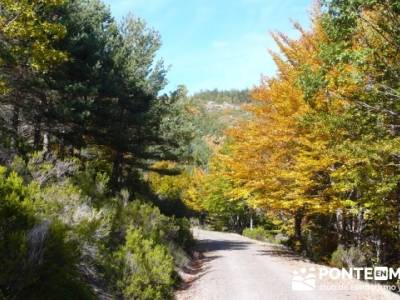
x=28 y=31
x=321 y=150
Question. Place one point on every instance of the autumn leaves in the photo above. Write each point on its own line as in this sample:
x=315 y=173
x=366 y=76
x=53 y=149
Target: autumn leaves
x=322 y=138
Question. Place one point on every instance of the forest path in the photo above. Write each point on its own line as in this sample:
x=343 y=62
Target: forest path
x=234 y=267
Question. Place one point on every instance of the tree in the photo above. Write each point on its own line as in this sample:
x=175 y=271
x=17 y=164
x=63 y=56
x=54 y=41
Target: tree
x=263 y=158
x=28 y=31
x=323 y=141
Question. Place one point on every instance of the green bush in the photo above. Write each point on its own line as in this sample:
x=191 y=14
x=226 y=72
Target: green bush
x=347 y=258
x=61 y=239
x=15 y=221
x=145 y=268
x=153 y=224
x=53 y=265
x=38 y=259
x=258 y=233
x=183 y=235
x=146 y=247
x=319 y=239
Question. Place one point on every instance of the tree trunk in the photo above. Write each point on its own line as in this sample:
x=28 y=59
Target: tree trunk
x=340 y=226
x=62 y=145
x=298 y=218
x=46 y=142
x=117 y=170
x=360 y=226
x=15 y=126
x=398 y=224
x=378 y=245
x=37 y=135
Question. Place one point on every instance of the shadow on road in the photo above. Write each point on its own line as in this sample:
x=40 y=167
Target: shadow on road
x=200 y=266
x=215 y=245
x=195 y=270
x=279 y=251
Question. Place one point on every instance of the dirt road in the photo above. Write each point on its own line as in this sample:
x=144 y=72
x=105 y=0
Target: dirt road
x=238 y=268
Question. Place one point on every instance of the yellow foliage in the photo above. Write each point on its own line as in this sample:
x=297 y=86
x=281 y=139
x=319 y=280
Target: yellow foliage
x=267 y=158
x=27 y=36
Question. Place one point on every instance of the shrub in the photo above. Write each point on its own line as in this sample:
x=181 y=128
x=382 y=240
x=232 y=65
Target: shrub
x=153 y=224
x=53 y=265
x=146 y=246
x=145 y=268
x=258 y=233
x=38 y=259
x=15 y=221
x=347 y=258
x=318 y=238
x=61 y=239
x=183 y=235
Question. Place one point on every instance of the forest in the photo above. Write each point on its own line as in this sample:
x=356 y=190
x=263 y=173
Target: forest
x=103 y=174
x=318 y=159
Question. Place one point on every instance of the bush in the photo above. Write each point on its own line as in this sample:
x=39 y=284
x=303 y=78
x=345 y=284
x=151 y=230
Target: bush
x=153 y=224
x=61 y=239
x=184 y=237
x=147 y=246
x=318 y=238
x=145 y=268
x=348 y=258
x=258 y=233
x=15 y=221
x=38 y=259
x=53 y=265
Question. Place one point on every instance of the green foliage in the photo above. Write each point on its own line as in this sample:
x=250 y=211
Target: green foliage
x=310 y=82
x=224 y=96
x=342 y=16
x=27 y=32
x=82 y=121
x=144 y=246
x=258 y=233
x=56 y=270
x=319 y=238
x=203 y=118
x=153 y=224
x=349 y=258
x=266 y=234
x=224 y=211
x=39 y=259
x=15 y=220
x=65 y=218
x=145 y=268
x=104 y=97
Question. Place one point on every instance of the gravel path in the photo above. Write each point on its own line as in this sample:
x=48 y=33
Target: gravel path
x=237 y=268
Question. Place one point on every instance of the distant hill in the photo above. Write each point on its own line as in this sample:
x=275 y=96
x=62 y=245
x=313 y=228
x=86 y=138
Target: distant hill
x=219 y=109
x=214 y=112
x=223 y=96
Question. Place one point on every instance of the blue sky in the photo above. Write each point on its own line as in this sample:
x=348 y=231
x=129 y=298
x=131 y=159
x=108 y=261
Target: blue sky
x=217 y=43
